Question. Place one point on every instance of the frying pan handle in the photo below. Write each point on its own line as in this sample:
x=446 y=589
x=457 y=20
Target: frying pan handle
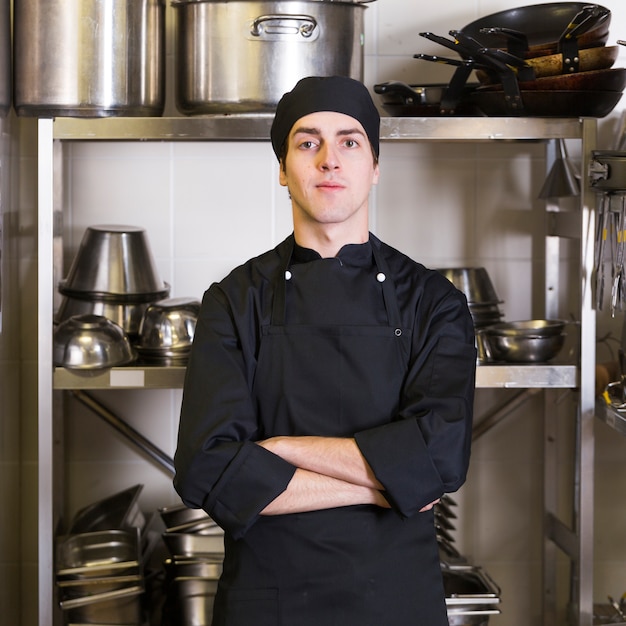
x=445 y=61
x=523 y=69
x=396 y=87
x=508 y=78
x=517 y=42
x=586 y=19
x=455 y=46
x=452 y=94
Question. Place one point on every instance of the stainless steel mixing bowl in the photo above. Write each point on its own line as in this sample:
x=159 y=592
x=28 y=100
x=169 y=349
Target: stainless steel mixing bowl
x=114 y=262
x=88 y=342
x=520 y=348
x=537 y=328
x=168 y=326
x=474 y=282
x=125 y=314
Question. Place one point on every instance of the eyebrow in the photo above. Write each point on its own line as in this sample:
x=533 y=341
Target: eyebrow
x=316 y=131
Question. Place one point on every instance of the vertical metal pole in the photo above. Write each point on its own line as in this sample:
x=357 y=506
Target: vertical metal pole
x=550 y=466
x=550 y=501
x=585 y=465
x=44 y=369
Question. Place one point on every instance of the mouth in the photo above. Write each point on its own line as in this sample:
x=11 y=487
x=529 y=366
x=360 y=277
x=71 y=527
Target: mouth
x=330 y=185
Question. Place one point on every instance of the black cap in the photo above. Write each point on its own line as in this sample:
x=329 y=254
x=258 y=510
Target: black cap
x=325 y=93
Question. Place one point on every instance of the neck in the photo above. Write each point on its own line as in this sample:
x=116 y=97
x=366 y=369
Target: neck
x=327 y=241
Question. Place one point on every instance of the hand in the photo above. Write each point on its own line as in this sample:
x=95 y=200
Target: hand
x=428 y=507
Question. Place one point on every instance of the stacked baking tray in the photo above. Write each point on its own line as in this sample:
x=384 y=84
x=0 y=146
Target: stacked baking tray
x=99 y=563
x=471 y=595
x=99 y=577
x=196 y=546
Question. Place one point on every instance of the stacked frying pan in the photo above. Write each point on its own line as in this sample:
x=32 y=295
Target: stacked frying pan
x=547 y=60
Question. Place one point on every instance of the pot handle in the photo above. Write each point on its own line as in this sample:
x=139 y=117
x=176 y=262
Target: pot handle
x=303 y=25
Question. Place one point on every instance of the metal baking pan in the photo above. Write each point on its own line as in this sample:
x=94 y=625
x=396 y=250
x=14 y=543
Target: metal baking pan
x=118 y=511
x=194 y=544
x=99 y=554
x=182 y=518
x=116 y=607
x=469 y=587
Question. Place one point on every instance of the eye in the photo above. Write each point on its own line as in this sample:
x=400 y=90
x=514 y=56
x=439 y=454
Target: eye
x=351 y=143
x=308 y=144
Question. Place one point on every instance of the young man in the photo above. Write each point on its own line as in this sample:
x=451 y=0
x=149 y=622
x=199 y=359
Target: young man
x=328 y=399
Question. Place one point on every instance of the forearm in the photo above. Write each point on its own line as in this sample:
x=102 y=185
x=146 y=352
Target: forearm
x=330 y=456
x=309 y=491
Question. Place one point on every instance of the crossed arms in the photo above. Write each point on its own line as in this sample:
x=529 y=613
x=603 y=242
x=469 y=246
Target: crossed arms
x=332 y=472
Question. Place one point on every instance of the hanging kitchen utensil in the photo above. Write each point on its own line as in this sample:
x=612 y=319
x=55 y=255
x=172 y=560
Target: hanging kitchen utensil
x=601 y=238
x=617 y=290
x=563 y=179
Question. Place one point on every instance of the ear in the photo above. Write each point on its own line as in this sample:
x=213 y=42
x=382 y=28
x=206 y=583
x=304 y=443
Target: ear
x=282 y=175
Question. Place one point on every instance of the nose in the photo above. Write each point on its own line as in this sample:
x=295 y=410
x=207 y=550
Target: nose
x=329 y=158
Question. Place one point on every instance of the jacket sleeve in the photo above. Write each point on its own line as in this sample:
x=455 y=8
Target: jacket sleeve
x=218 y=466
x=424 y=451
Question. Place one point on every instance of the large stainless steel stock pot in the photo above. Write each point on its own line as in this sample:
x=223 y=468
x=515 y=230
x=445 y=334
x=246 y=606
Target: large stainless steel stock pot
x=89 y=58
x=241 y=56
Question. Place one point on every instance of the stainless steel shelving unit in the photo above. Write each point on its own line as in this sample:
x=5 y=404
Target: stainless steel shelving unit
x=576 y=541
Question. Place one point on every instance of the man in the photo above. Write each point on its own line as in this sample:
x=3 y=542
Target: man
x=328 y=398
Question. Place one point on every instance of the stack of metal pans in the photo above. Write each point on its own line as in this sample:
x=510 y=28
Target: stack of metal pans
x=471 y=595
x=100 y=573
x=99 y=577
x=481 y=295
x=113 y=275
x=196 y=546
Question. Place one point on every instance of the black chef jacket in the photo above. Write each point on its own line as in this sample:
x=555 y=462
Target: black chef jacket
x=350 y=566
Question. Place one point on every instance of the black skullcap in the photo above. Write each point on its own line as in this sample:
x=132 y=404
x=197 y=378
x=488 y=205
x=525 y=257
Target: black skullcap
x=325 y=93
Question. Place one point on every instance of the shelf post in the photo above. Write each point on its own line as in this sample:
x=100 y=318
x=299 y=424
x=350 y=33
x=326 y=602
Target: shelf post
x=45 y=169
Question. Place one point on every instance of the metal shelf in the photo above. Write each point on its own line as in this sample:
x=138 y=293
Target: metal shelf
x=129 y=377
x=256 y=127
x=172 y=377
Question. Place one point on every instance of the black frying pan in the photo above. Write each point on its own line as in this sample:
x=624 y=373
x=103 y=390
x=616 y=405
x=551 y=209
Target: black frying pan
x=549 y=103
x=536 y=27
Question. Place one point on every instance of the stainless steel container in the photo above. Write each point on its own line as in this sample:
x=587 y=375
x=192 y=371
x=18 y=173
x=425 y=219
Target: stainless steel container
x=241 y=56
x=89 y=58
x=5 y=57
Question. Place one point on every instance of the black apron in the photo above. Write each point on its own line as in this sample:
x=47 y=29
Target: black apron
x=348 y=566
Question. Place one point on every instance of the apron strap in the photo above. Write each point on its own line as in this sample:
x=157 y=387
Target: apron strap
x=389 y=291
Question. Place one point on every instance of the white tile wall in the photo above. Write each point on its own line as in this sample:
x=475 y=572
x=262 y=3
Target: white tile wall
x=209 y=206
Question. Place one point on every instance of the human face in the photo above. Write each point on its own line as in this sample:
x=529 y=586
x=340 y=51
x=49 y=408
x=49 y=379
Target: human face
x=329 y=170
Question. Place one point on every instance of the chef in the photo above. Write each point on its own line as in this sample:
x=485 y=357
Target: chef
x=328 y=398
